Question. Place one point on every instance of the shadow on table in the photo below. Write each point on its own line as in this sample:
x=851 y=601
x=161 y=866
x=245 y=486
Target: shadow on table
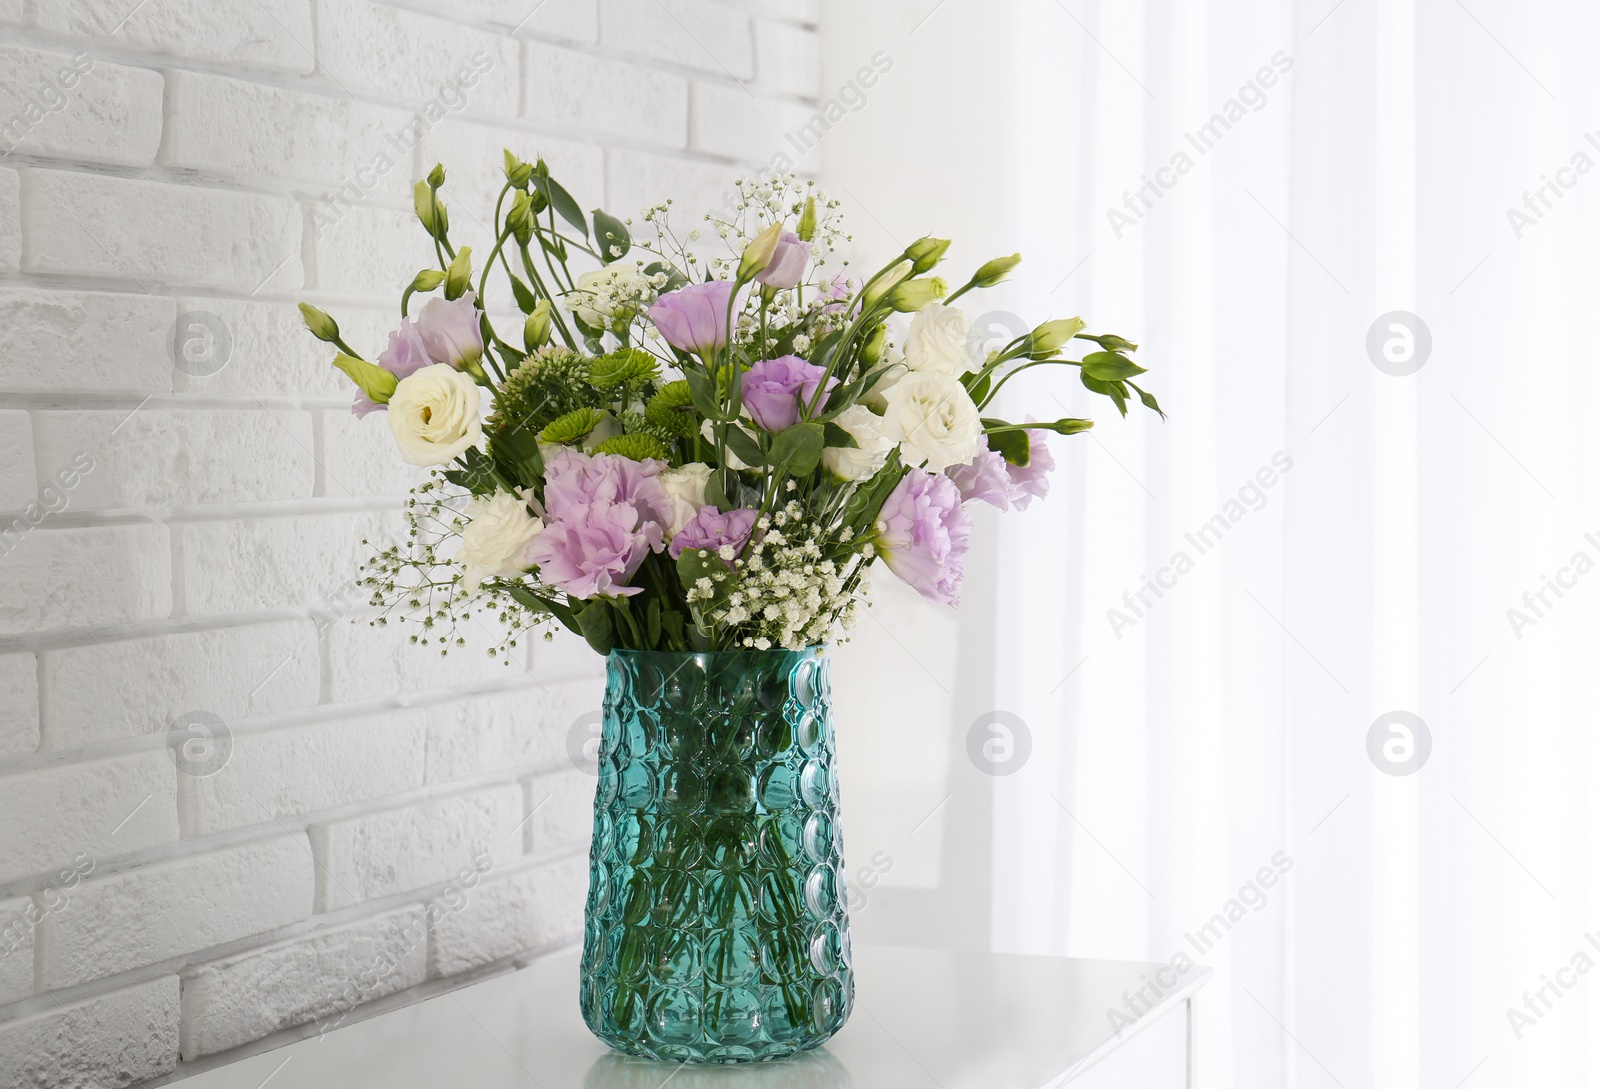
x=807 y=1070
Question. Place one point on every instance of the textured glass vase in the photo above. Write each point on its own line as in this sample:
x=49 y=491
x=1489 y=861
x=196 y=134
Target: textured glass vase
x=715 y=927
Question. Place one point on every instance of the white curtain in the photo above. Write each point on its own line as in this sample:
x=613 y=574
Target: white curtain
x=1203 y=626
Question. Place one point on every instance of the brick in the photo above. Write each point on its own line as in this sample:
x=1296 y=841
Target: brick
x=70 y=579
x=270 y=350
x=603 y=95
x=271 y=563
x=562 y=804
x=729 y=122
x=111 y=1040
x=153 y=232
x=305 y=769
x=367 y=661
x=359 y=457
x=274 y=35
x=181 y=457
x=788 y=59
x=473 y=154
x=399 y=850
x=277 y=134
x=147 y=915
x=17 y=488
x=800 y=11
x=55 y=813
x=77 y=107
x=18 y=919
x=369 y=251
x=107 y=690
x=694 y=33
x=418 y=58
x=638 y=179
x=19 y=712
x=572 y=20
x=10 y=221
x=526 y=728
x=319 y=978
x=93 y=341
x=11 y=12
x=507 y=915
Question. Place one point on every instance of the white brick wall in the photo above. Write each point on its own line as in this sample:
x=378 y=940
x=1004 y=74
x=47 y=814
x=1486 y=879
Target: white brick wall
x=367 y=817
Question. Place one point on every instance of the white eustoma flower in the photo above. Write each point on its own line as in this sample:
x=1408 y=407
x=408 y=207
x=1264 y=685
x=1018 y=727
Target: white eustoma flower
x=937 y=340
x=935 y=419
x=496 y=537
x=434 y=414
x=686 y=491
x=872 y=449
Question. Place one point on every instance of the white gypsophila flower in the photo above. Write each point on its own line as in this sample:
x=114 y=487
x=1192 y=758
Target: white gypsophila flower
x=937 y=340
x=872 y=449
x=434 y=414
x=604 y=293
x=686 y=491
x=499 y=528
x=934 y=418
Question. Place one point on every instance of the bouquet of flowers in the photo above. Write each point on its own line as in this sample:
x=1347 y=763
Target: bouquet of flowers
x=683 y=450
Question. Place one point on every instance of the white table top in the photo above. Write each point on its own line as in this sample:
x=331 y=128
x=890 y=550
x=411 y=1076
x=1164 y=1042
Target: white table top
x=922 y=1018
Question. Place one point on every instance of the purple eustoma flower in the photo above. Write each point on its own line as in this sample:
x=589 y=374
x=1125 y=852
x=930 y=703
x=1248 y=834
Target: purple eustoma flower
x=694 y=318
x=594 y=549
x=788 y=262
x=922 y=535
x=711 y=528
x=450 y=331
x=774 y=390
x=576 y=479
x=986 y=477
x=1032 y=479
x=405 y=355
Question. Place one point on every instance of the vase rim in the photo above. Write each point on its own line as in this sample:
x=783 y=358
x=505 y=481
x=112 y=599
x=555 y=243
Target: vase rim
x=815 y=650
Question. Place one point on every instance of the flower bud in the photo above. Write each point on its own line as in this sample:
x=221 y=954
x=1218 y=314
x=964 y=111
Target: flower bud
x=459 y=276
x=807 y=229
x=517 y=171
x=536 y=330
x=913 y=295
x=427 y=280
x=1050 y=337
x=430 y=209
x=925 y=253
x=884 y=284
x=436 y=175
x=995 y=271
x=758 y=254
x=872 y=350
x=321 y=324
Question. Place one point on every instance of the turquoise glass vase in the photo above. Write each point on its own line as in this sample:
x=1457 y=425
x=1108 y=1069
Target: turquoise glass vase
x=715 y=929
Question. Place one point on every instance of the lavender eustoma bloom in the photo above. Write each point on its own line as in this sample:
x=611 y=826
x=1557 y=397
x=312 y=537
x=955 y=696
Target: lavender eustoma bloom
x=1032 y=480
x=711 y=528
x=922 y=535
x=594 y=549
x=986 y=477
x=450 y=331
x=774 y=390
x=788 y=262
x=405 y=355
x=694 y=318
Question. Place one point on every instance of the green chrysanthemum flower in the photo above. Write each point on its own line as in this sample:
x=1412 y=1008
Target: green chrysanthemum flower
x=627 y=366
x=636 y=446
x=572 y=427
x=672 y=410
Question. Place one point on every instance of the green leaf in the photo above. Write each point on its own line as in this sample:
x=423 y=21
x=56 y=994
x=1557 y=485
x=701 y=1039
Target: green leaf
x=516 y=452
x=1110 y=366
x=561 y=201
x=797 y=449
x=703 y=392
x=596 y=625
x=526 y=299
x=534 y=603
x=695 y=564
x=675 y=278
x=743 y=446
x=836 y=436
x=377 y=383
x=715 y=495
x=1114 y=390
x=1011 y=445
x=477 y=474
x=860 y=511
x=978 y=383
x=611 y=233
